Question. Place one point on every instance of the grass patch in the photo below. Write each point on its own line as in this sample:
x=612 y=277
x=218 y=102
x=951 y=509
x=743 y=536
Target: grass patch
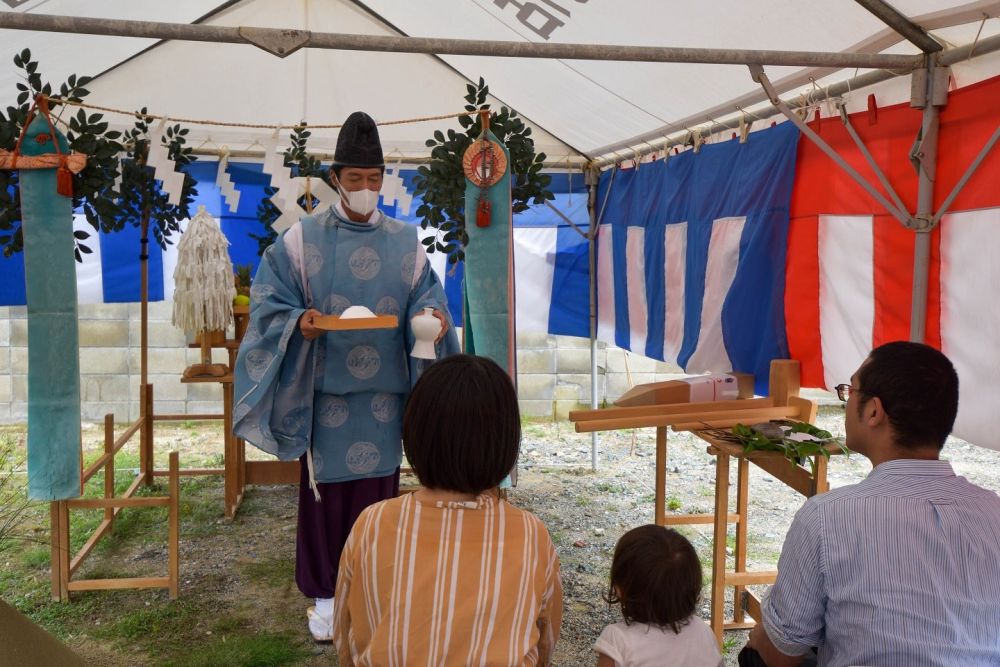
x=263 y=650
x=275 y=571
x=609 y=487
x=583 y=501
x=730 y=643
x=673 y=503
x=36 y=557
x=173 y=618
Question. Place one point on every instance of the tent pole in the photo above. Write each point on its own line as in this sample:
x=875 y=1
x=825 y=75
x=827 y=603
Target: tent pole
x=929 y=91
x=758 y=75
x=284 y=42
x=593 y=178
x=901 y=24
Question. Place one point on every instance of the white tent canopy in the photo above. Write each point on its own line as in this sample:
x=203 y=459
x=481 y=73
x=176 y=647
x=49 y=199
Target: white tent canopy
x=580 y=109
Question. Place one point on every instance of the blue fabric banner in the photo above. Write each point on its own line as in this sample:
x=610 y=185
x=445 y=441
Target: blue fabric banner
x=695 y=255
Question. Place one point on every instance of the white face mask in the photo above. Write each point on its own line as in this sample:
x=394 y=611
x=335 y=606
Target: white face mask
x=362 y=202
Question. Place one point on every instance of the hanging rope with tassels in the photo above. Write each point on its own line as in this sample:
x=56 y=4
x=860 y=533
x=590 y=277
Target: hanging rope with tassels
x=66 y=164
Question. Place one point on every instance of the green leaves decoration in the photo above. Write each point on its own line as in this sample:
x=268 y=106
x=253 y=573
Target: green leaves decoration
x=441 y=183
x=782 y=435
x=110 y=152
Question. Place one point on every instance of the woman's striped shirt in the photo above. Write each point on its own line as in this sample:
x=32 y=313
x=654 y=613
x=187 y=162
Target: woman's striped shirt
x=468 y=583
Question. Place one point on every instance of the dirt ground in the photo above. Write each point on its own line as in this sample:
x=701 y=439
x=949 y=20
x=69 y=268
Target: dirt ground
x=237 y=589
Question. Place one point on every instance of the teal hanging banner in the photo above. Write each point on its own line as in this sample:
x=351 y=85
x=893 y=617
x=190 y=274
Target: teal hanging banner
x=53 y=337
x=489 y=255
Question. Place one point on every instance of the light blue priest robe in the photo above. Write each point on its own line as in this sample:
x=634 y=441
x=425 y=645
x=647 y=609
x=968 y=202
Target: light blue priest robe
x=344 y=392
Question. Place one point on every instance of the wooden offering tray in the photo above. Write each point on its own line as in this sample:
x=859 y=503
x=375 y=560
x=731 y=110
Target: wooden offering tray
x=337 y=323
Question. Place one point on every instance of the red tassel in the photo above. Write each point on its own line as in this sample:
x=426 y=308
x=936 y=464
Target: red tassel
x=872 y=110
x=483 y=212
x=64 y=180
x=819 y=121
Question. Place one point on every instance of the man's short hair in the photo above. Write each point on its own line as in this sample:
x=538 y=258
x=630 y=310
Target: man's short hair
x=918 y=387
x=462 y=426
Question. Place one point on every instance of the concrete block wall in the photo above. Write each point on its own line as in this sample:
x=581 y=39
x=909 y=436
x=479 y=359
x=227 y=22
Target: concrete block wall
x=110 y=364
x=553 y=371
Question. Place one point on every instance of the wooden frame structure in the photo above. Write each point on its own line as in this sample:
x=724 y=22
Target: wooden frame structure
x=783 y=402
x=64 y=566
x=807 y=481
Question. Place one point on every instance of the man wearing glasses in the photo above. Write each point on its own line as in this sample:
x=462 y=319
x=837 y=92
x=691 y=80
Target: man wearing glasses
x=902 y=569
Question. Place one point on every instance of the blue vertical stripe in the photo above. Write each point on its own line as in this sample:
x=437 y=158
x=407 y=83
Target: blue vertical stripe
x=569 y=312
x=121 y=270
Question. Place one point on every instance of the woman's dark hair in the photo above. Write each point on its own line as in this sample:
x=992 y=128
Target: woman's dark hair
x=655 y=577
x=462 y=427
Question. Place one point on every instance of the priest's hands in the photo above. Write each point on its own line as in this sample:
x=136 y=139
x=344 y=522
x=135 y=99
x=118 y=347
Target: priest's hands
x=309 y=332
x=444 y=325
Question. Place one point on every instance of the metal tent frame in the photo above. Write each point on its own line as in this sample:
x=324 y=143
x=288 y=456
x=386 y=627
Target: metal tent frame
x=929 y=72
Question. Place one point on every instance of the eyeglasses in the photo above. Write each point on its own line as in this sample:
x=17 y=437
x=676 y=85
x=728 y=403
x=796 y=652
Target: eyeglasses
x=844 y=391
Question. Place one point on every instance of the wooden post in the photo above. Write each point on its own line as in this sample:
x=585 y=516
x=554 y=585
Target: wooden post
x=173 y=539
x=144 y=295
x=719 y=544
x=55 y=550
x=742 y=493
x=232 y=463
x=147 y=457
x=661 y=475
x=783 y=382
x=109 y=467
x=820 y=483
x=62 y=554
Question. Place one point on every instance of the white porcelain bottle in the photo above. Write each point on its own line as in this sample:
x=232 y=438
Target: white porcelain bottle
x=425 y=329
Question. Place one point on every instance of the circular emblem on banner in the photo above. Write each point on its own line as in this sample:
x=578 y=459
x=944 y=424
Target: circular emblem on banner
x=362 y=458
x=484 y=163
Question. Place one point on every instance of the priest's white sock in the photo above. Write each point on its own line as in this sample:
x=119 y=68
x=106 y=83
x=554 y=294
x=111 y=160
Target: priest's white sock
x=324 y=608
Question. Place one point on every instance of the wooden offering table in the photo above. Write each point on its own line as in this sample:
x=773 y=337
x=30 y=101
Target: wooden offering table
x=782 y=403
x=808 y=478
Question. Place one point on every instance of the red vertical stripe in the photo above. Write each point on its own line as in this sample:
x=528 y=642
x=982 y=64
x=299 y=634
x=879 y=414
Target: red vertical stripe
x=893 y=276
x=802 y=299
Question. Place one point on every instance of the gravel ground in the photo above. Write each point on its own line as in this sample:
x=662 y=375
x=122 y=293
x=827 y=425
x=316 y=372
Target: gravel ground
x=239 y=573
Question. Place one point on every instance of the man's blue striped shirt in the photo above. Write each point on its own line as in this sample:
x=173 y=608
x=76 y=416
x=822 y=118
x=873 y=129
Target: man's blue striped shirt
x=902 y=569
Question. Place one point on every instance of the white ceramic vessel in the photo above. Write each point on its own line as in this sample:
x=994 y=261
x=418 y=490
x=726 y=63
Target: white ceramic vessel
x=425 y=329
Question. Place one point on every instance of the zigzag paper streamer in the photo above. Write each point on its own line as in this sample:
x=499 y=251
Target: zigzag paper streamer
x=281 y=179
x=225 y=184
x=394 y=190
x=164 y=169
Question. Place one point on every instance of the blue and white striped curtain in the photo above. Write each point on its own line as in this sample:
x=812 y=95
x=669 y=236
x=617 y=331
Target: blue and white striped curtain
x=691 y=255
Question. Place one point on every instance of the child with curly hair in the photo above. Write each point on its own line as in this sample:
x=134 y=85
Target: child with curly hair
x=656 y=579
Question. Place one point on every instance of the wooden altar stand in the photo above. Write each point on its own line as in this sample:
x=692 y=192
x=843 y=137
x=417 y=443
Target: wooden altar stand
x=237 y=472
x=782 y=403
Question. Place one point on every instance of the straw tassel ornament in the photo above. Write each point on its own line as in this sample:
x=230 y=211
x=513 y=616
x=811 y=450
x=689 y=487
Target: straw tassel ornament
x=204 y=288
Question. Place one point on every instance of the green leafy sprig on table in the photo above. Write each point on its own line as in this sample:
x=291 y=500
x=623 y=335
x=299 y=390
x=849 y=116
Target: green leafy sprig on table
x=764 y=438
